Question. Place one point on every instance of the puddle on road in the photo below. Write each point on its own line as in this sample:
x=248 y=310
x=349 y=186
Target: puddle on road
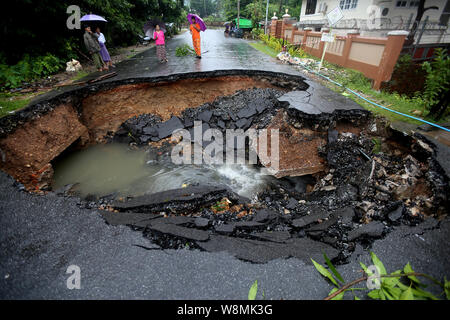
x=114 y=168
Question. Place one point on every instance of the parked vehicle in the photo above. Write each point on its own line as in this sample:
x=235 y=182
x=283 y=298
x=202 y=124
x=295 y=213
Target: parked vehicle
x=141 y=40
x=245 y=25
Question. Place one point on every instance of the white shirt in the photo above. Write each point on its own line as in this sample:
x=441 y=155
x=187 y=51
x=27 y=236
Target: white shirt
x=101 y=38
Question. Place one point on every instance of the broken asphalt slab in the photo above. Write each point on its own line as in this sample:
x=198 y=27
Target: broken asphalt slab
x=183 y=199
x=42 y=235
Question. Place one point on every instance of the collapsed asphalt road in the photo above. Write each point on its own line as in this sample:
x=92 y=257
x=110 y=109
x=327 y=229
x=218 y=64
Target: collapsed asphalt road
x=42 y=236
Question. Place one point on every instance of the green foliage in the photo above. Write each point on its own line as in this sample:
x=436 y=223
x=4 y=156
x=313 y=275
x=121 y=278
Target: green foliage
x=438 y=77
x=399 y=285
x=257 y=32
x=204 y=8
x=26 y=39
x=11 y=102
x=255 y=10
x=28 y=69
x=253 y=291
x=184 y=50
x=376 y=145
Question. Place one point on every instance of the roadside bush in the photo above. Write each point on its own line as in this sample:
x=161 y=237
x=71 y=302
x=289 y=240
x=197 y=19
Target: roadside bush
x=28 y=69
x=257 y=32
x=437 y=83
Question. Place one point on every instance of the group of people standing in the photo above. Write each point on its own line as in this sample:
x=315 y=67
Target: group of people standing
x=95 y=45
x=160 y=42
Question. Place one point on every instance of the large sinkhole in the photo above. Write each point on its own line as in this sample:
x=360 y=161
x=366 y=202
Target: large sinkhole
x=343 y=177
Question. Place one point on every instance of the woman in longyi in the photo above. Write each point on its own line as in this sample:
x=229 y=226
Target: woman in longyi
x=195 y=31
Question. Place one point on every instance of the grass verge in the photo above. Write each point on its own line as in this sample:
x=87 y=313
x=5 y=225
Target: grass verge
x=356 y=81
x=11 y=102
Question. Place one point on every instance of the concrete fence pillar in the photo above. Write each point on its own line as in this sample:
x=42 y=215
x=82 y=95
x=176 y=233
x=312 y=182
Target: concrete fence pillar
x=294 y=28
x=390 y=56
x=285 y=17
x=348 y=44
x=273 y=25
x=305 y=36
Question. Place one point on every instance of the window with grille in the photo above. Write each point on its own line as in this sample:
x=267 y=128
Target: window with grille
x=348 y=4
x=311 y=6
x=401 y=4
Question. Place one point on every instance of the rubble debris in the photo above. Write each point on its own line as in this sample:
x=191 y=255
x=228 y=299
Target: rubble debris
x=372 y=230
x=264 y=251
x=178 y=200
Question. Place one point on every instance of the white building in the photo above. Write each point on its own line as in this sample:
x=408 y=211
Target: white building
x=376 y=18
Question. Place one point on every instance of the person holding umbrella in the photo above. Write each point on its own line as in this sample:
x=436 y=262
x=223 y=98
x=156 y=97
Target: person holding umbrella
x=195 y=31
x=91 y=40
x=103 y=51
x=93 y=47
x=160 y=42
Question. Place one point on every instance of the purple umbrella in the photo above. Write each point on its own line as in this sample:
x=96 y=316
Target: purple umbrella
x=92 y=17
x=149 y=27
x=198 y=20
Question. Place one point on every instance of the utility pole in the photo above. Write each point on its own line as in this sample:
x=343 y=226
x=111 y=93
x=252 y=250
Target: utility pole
x=267 y=12
x=239 y=4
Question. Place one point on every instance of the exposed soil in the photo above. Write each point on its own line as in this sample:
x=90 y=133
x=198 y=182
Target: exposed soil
x=28 y=151
x=297 y=146
x=356 y=197
x=107 y=110
x=349 y=192
x=32 y=137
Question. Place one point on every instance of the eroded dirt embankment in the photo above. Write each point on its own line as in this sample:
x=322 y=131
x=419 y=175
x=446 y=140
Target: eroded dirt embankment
x=31 y=138
x=107 y=110
x=26 y=153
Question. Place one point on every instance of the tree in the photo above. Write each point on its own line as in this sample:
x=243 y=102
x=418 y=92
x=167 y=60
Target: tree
x=420 y=12
x=39 y=27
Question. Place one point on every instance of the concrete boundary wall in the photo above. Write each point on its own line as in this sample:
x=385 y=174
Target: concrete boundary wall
x=374 y=57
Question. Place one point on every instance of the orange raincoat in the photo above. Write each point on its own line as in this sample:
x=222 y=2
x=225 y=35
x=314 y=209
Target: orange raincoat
x=196 y=38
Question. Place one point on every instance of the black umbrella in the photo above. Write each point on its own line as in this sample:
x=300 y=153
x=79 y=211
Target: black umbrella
x=149 y=27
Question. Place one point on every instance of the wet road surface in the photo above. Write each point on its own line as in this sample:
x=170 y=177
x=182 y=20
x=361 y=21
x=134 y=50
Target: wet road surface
x=41 y=236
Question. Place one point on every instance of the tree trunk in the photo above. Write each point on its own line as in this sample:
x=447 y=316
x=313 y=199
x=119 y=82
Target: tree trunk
x=420 y=11
x=438 y=110
x=281 y=8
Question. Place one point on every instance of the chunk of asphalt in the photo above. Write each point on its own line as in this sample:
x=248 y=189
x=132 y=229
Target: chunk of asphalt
x=264 y=215
x=127 y=218
x=205 y=116
x=396 y=214
x=272 y=236
x=371 y=230
x=152 y=131
x=292 y=204
x=188 y=122
x=225 y=228
x=221 y=124
x=178 y=200
x=332 y=135
x=168 y=127
x=345 y=214
x=246 y=112
x=323 y=226
x=201 y=222
x=247 y=224
x=264 y=251
x=306 y=220
x=177 y=220
x=179 y=231
x=241 y=123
